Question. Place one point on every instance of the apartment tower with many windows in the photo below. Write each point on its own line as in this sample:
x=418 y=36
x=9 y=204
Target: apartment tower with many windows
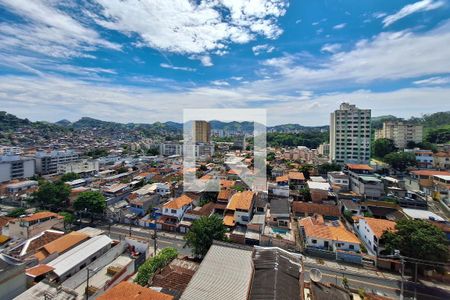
x=350 y=135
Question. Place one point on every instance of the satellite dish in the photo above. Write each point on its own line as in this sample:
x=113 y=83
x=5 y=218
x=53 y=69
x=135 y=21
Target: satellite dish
x=315 y=275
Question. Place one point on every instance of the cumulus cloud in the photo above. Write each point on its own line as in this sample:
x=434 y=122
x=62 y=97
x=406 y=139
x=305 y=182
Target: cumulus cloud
x=183 y=26
x=423 y=5
x=258 y=49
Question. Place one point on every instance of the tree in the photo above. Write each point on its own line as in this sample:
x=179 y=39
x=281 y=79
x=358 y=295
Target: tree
x=90 y=201
x=439 y=135
x=153 y=151
x=17 y=212
x=69 y=218
x=400 y=160
x=270 y=156
x=202 y=233
x=306 y=169
x=52 y=196
x=417 y=239
x=69 y=177
x=328 y=167
x=159 y=261
x=382 y=147
x=306 y=194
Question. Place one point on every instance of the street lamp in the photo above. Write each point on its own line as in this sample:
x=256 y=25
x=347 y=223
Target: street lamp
x=87 y=281
x=402 y=261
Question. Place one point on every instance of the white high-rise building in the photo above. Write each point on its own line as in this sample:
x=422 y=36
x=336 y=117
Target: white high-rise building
x=350 y=130
x=401 y=133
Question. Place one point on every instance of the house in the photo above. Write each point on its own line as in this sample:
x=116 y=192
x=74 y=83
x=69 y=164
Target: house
x=225 y=273
x=239 y=209
x=339 y=181
x=420 y=214
x=441 y=160
x=304 y=209
x=327 y=235
x=25 y=250
x=129 y=290
x=279 y=213
x=354 y=206
x=424 y=179
x=141 y=205
x=370 y=231
x=173 y=212
x=319 y=191
x=31 y=225
x=195 y=214
x=363 y=182
x=424 y=158
x=116 y=190
x=296 y=180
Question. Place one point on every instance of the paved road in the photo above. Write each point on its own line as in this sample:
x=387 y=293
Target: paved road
x=387 y=286
x=164 y=240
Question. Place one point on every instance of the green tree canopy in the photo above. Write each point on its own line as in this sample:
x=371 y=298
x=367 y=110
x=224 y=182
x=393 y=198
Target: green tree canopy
x=382 y=147
x=306 y=170
x=439 y=135
x=17 y=212
x=69 y=177
x=160 y=260
x=91 y=201
x=202 y=233
x=400 y=160
x=52 y=196
x=417 y=239
x=329 y=167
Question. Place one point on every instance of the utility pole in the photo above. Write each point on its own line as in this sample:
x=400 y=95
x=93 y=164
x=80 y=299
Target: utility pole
x=403 y=270
x=415 y=281
x=87 y=285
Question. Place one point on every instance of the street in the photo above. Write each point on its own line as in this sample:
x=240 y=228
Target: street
x=164 y=239
x=386 y=286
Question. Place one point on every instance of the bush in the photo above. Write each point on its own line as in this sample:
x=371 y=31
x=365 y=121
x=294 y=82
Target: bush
x=158 y=261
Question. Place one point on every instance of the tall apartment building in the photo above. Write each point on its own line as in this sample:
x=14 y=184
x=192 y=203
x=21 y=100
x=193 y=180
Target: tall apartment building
x=10 y=150
x=14 y=167
x=47 y=162
x=202 y=131
x=350 y=134
x=401 y=133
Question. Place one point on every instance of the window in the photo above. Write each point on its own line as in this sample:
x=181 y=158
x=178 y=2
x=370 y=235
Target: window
x=174 y=211
x=314 y=241
x=352 y=247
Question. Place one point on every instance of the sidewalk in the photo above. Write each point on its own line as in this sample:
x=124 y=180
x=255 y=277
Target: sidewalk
x=160 y=233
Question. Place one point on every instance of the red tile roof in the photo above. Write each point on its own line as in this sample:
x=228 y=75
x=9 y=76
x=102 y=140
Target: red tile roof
x=39 y=270
x=429 y=172
x=179 y=202
x=379 y=226
x=40 y=215
x=315 y=208
x=128 y=290
x=359 y=167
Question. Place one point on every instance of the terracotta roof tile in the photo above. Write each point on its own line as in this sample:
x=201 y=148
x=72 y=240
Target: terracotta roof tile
x=282 y=178
x=40 y=215
x=179 y=202
x=429 y=172
x=228 y=220
x=39 y=270
x=316 y=227
x=62 y=244
x=227 y=183
x=315 y=208
x=359 y=167
x=379 y=226
x=128 y=290
x=296 y=176
x=241 y=200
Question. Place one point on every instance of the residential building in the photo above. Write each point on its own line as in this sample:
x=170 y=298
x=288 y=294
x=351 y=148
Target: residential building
x=441 y=160
x=296 y=180
x=31 y=225
x=327 y=235
x=174 y=277
x=319 y=191
x=424 y=179
x=420 y=214
x=47 y=162
x=324 y=149
x=441 y=184
x=20 y=187
x=84 y=167
x=59 y=246
x=27 y=248
x=424 y=158
x=129 y=290
x=10 y=150
x=177 y=207
x=350 y=130
x=169 y=149
x=401 y=133
x=115 y=190
x=15 y=167
x=279 y=213
x=225 y=273
x=304 y=209
x=338 y=180
x=370 y=231
x=239 y=209
x=202 y=131
x=363 y=182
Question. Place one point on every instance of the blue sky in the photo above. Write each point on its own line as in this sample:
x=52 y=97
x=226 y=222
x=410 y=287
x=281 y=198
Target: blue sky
x=144 y=61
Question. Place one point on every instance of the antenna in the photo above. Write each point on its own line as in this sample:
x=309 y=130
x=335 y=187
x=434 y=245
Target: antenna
x=315 y=275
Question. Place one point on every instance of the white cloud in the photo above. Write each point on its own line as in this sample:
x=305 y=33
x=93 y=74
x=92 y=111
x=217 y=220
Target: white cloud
x=389 y=56
x=379 y=14
x=331 y=48
x=433 y=81
x=237 y=78
x=48 y=31
x=339 y=26
x=220 y=83
x=423 y=5
x=258 y=49
x=170 y=66
x=206 y=61
x=52 y=98
x=183 y=26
